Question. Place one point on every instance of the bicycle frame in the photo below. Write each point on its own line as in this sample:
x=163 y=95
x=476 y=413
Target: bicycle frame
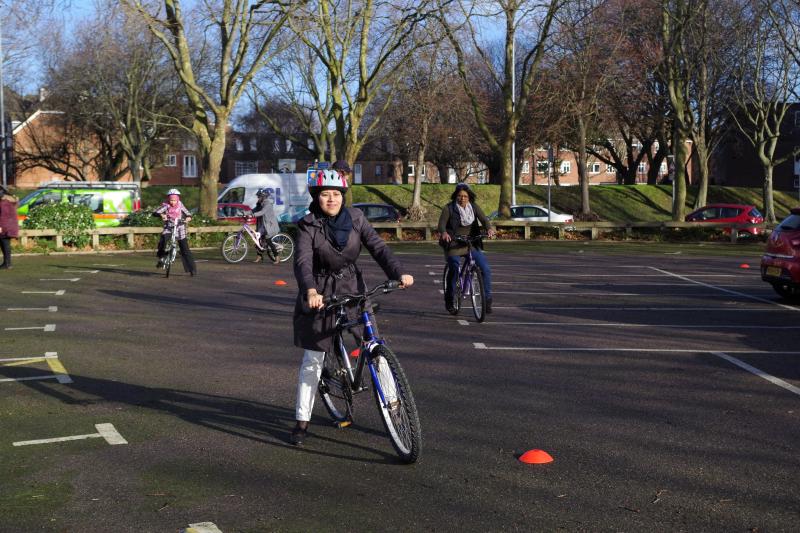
x=250 y=232
x=368 y=341
x=464 y=279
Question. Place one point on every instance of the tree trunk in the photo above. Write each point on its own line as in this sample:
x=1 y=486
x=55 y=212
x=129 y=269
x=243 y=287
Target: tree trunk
x=769 y=201
x=415 y=210
x=679 y=181
x=504 y=207
x=583 y=177
x=701 y=153
x=211 y=156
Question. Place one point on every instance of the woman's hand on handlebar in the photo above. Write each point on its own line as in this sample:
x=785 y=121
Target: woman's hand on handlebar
x=446 y=237
x=314 y=299
x=406 y=280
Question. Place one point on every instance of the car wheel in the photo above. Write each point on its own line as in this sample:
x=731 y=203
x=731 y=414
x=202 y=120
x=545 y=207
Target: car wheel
x=787 y=292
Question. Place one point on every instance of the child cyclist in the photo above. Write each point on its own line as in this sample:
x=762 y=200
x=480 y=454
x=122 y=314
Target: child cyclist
x=267 y=224
x=175 y=217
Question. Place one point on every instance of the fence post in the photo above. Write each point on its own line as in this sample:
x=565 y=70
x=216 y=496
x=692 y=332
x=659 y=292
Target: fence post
x=95 y=240
x=526 y=232
x=59 y=241
x=399 y=230
x=628 y=232
x=594 y=233
x=131 y=240
x=560 y=233
x=428 y=234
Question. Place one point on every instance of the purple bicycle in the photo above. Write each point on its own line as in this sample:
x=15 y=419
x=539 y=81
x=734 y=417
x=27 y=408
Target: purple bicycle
x=469 y=280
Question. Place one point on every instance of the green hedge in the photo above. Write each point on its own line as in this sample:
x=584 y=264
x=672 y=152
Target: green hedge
x=73 y=221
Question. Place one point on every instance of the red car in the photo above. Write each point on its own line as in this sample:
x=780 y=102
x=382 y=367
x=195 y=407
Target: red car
x=733 y=213
x=780 y=264
x=235 y=213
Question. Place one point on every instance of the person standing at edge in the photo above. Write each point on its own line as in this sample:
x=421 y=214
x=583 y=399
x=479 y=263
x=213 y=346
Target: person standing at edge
x=329 y=241
x=9 y=226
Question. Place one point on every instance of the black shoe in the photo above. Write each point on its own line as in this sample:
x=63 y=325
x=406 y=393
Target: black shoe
x=160 y=263
x=451 y=308
x=299 y=434
x=5 y=266
x=488 y=306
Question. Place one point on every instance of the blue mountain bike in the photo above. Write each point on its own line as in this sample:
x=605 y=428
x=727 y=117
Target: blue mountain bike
x=341 y=380
x=469 y=280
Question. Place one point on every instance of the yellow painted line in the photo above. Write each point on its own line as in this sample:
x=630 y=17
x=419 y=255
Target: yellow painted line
x=58 y=369
x=24 y=362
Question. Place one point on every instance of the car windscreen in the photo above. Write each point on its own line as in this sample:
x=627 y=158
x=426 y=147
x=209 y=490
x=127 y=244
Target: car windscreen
x=792 y=222
x=233 y=196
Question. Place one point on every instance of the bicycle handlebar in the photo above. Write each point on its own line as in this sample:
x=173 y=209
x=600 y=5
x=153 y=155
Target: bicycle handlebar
x=466 y=239
x=345 y=299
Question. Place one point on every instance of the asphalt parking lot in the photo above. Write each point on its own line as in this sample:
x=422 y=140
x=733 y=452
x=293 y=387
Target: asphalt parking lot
x=666 y=388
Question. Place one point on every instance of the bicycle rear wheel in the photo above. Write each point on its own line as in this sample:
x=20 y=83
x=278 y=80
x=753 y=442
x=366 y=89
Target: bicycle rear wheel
x=396 y=404
x=477 y=294
x=234 y=248
x=334 y=389
x=284 y=245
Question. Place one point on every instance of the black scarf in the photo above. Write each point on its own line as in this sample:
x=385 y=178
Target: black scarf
x=339 y=228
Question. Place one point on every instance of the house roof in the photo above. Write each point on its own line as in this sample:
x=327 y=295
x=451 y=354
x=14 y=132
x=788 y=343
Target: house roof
x=39 y=112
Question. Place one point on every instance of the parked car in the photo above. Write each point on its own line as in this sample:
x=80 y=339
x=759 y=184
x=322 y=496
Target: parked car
x=780 y=264
x=733 y=213
x=379 y=212
x=534 y=213
x=235 y=213
x=110 y=201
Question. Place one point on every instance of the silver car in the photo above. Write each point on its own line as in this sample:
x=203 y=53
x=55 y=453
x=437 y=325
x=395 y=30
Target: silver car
x=534 y=213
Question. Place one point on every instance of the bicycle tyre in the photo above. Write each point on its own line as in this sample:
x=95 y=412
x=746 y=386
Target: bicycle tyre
x=234 y=248
x=285 y=246
x=170 y=258
x=399 y=412
x=477 y=294
x=334 y=389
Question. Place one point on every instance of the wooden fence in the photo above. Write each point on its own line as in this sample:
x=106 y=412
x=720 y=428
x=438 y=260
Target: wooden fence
x=425 y=229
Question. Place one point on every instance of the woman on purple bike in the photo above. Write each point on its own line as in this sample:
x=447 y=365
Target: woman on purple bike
x=460 y=218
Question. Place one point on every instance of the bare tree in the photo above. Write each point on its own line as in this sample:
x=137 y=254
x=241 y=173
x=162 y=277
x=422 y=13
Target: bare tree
x=768 y=75
x=536 y=19
x=246 y=34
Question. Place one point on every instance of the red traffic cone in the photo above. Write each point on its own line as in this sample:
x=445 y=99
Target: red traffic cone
x=280 y=282
x=744 y=265
x=536 y=457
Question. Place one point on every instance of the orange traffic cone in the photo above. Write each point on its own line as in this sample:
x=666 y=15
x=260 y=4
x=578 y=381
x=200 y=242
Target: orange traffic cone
x=744 y=265
x=536 y=457
x=280 y=282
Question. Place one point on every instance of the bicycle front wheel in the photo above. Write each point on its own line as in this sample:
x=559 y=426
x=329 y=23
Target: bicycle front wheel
x=171 y=253
x=396 y=404
x=477 y=294
x=334 y=389
x=234 y=248
x=284 y=245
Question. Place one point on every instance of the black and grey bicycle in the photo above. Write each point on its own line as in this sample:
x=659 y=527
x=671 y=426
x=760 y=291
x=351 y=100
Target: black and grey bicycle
x=171 y=246
x=341 y=379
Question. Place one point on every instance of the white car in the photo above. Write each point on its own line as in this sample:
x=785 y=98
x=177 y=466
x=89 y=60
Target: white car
x=534 y=213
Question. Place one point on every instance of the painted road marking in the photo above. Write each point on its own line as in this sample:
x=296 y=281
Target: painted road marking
x=46 y=327
x=772 y=379
x=83 y=271
x=573 y=293
x=51 y=358
x=106 y=264
x=715 y=309
x=437 y=280
x=737 y=293
x=432 y=273
x=50 y=309
x=482 y=346
x=57 y=293
x=633 y=325
x=463 y=322
x=104 y=431
x=73 y=280
x=202 y=527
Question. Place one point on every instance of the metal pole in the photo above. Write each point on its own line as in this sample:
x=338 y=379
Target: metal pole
x=3 y=143
x=551 y=167
x=513 y=110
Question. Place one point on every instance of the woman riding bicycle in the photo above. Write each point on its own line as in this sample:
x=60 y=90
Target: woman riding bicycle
x=329 y=241
x=172 y=212
x=460 y=218
x=267 y=224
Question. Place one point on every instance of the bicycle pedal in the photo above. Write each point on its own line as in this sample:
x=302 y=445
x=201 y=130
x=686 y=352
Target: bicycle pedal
x=360 y=389
x=343 y=424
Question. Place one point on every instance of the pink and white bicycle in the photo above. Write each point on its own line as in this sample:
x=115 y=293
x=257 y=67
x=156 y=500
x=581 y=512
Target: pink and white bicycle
x=235 y=246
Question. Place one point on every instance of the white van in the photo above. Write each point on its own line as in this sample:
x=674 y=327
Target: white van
x=290 y=192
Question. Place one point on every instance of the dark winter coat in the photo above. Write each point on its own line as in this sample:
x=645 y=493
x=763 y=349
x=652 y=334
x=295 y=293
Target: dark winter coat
x=318 y=264
x=450 y=222
x=9 y=226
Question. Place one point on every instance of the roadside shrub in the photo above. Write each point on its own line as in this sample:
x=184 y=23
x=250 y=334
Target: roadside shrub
x=142 y=218
x=72 y=221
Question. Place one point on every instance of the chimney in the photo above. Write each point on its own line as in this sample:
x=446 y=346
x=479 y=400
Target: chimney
x=42 y=94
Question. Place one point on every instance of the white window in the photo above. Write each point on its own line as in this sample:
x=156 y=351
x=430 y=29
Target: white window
x=288 y=145
x=411 y=169
x=526 y=167
x=253 y=144
x=245 y=167
x=357 y=173
x=239 y=145
x=189 y=144
x=642 y=168
x=378 y=171
x=566 y=167
x=172 y=161
x=276 y=145
x=311 y=144
x=422 y=171
x=610 y=169
x=542 y=166
x=452 y=177
x=594 y=168
x=189 y=166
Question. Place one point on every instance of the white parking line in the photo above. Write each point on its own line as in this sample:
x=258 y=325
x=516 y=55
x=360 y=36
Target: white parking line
x=737 y=293
x=202 y=527
x=46 y=327
x=57 y=293
x=105 y=431
x=483 y=346
x=760 y=373
x=631 y=325
x=657 y=309
x=106 y=264
x=50 y=309
x=73 y=280
x=83 y=271
x=51 y=358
